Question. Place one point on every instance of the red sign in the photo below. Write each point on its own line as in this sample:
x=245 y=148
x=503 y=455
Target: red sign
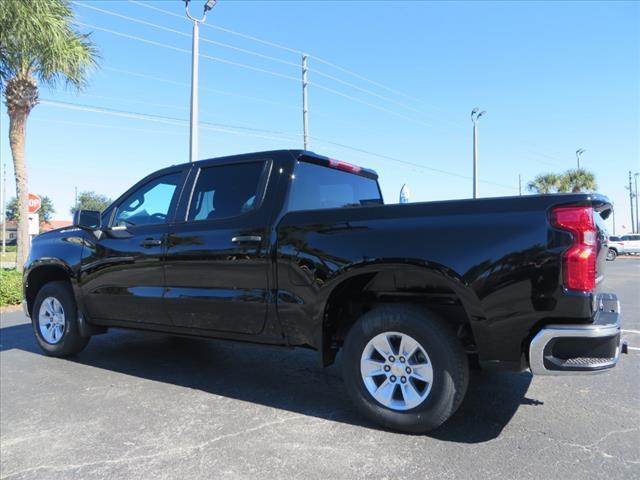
x=34 y=203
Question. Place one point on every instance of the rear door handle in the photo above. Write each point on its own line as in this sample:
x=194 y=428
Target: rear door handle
x=150 y=242
x=247 y=239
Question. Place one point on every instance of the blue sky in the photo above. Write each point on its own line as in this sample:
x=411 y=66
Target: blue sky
x=553 y=77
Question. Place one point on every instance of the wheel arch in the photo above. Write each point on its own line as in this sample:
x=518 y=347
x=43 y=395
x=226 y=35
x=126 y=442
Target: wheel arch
x=53 y=269
x=362 y=287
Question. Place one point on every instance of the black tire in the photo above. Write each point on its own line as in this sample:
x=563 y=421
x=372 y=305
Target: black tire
x=448 y=360
x=611 y=255
x=71 y=342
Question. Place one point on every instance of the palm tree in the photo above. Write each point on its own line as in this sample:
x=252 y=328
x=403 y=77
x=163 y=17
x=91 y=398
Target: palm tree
x=570 y=181
x=38 y=42
x=544 y=183
x=580 y=180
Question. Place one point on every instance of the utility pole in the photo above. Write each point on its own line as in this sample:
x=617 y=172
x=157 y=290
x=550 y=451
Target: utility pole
x=635 y=176
x=475 y=116
x=579 y=152
x=520 y=184
x=633 y=224
x=613 y=214
x=195 y=57
x=75 y=200
x=305 y=83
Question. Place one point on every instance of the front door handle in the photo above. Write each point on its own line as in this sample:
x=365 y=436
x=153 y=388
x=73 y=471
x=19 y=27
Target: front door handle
x=150 y=242
x=247 y=239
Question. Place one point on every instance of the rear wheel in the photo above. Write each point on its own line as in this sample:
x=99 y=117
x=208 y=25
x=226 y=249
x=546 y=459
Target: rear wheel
x=55 y=320
x=404 y=369
x=611 y=254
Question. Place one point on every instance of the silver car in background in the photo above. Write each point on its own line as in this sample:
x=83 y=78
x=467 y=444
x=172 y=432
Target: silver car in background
x=623 y=245
x=631 y=243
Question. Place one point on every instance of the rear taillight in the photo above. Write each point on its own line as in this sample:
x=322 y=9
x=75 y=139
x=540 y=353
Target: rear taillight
x=579 y=261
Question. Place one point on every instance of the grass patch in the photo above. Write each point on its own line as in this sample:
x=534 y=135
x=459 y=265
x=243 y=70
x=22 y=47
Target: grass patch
x=10 y=287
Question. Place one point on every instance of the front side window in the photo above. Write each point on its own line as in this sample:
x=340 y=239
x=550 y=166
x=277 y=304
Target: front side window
x=316 y=187
x=225 y=191
x=149 y=205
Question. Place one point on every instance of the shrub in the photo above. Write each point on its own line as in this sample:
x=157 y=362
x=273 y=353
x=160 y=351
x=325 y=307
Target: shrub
x=10 y=287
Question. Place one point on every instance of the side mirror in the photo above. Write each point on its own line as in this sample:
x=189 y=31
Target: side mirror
x=87 y=219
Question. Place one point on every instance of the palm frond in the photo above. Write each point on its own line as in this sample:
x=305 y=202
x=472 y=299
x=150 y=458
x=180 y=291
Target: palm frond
x=38 y=38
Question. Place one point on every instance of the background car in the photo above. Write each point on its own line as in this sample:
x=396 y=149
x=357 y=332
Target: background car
x=631 y=243
x=616 y=247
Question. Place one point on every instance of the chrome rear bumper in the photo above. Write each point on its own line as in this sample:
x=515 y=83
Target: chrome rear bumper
x=582 y=348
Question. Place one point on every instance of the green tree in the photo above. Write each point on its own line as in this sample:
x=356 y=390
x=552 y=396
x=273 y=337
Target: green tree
x=38 y=43
x=46 y=209
x=580 y=180
x=91 y=201
x=545 y=183
x=577 y=180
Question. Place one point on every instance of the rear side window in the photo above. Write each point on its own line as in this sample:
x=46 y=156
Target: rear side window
x=315 y=187
x=225 y=191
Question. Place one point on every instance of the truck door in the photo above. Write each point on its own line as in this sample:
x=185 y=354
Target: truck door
x=123 y=273
x=217 y=260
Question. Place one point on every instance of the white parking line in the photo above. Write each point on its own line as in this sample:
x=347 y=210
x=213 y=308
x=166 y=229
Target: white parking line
x=631 y=331
x=633 y=348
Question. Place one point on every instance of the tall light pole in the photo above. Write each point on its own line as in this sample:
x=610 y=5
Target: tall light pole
x=193 y=129
x=475 y=116
x=305 y=109
x=633 y=223
x=635 y=177
x=579 y=152
x=613 y=214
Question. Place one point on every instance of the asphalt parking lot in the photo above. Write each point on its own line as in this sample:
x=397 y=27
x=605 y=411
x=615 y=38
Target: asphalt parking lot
x=136 y=405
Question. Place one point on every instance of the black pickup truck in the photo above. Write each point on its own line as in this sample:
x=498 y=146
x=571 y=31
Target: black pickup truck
x=296 y=249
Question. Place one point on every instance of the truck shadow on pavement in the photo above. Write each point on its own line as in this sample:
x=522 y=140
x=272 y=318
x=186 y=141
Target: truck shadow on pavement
x=288 y=379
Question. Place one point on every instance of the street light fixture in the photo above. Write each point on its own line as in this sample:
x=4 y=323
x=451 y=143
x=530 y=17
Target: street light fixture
x=579 y=152
x=193 y=128
x=475 y=116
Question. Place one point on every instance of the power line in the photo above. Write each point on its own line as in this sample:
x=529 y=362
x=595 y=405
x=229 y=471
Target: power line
x=368 y=92
x=104 y=125
x=318 y=72
x=129 y=100
x=240 y=130
x=208 y=89
x=249 y=52
x=408 y=163
x=320 y=86
x=155 y=118
x=226 y=30
x=177 y=49
x=185 y=34
x=372 y=105
x=289 y=49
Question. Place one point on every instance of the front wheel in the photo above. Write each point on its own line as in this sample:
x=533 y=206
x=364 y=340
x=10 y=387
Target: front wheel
x=611 y=254
x=404 y=369
x=55 y=321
